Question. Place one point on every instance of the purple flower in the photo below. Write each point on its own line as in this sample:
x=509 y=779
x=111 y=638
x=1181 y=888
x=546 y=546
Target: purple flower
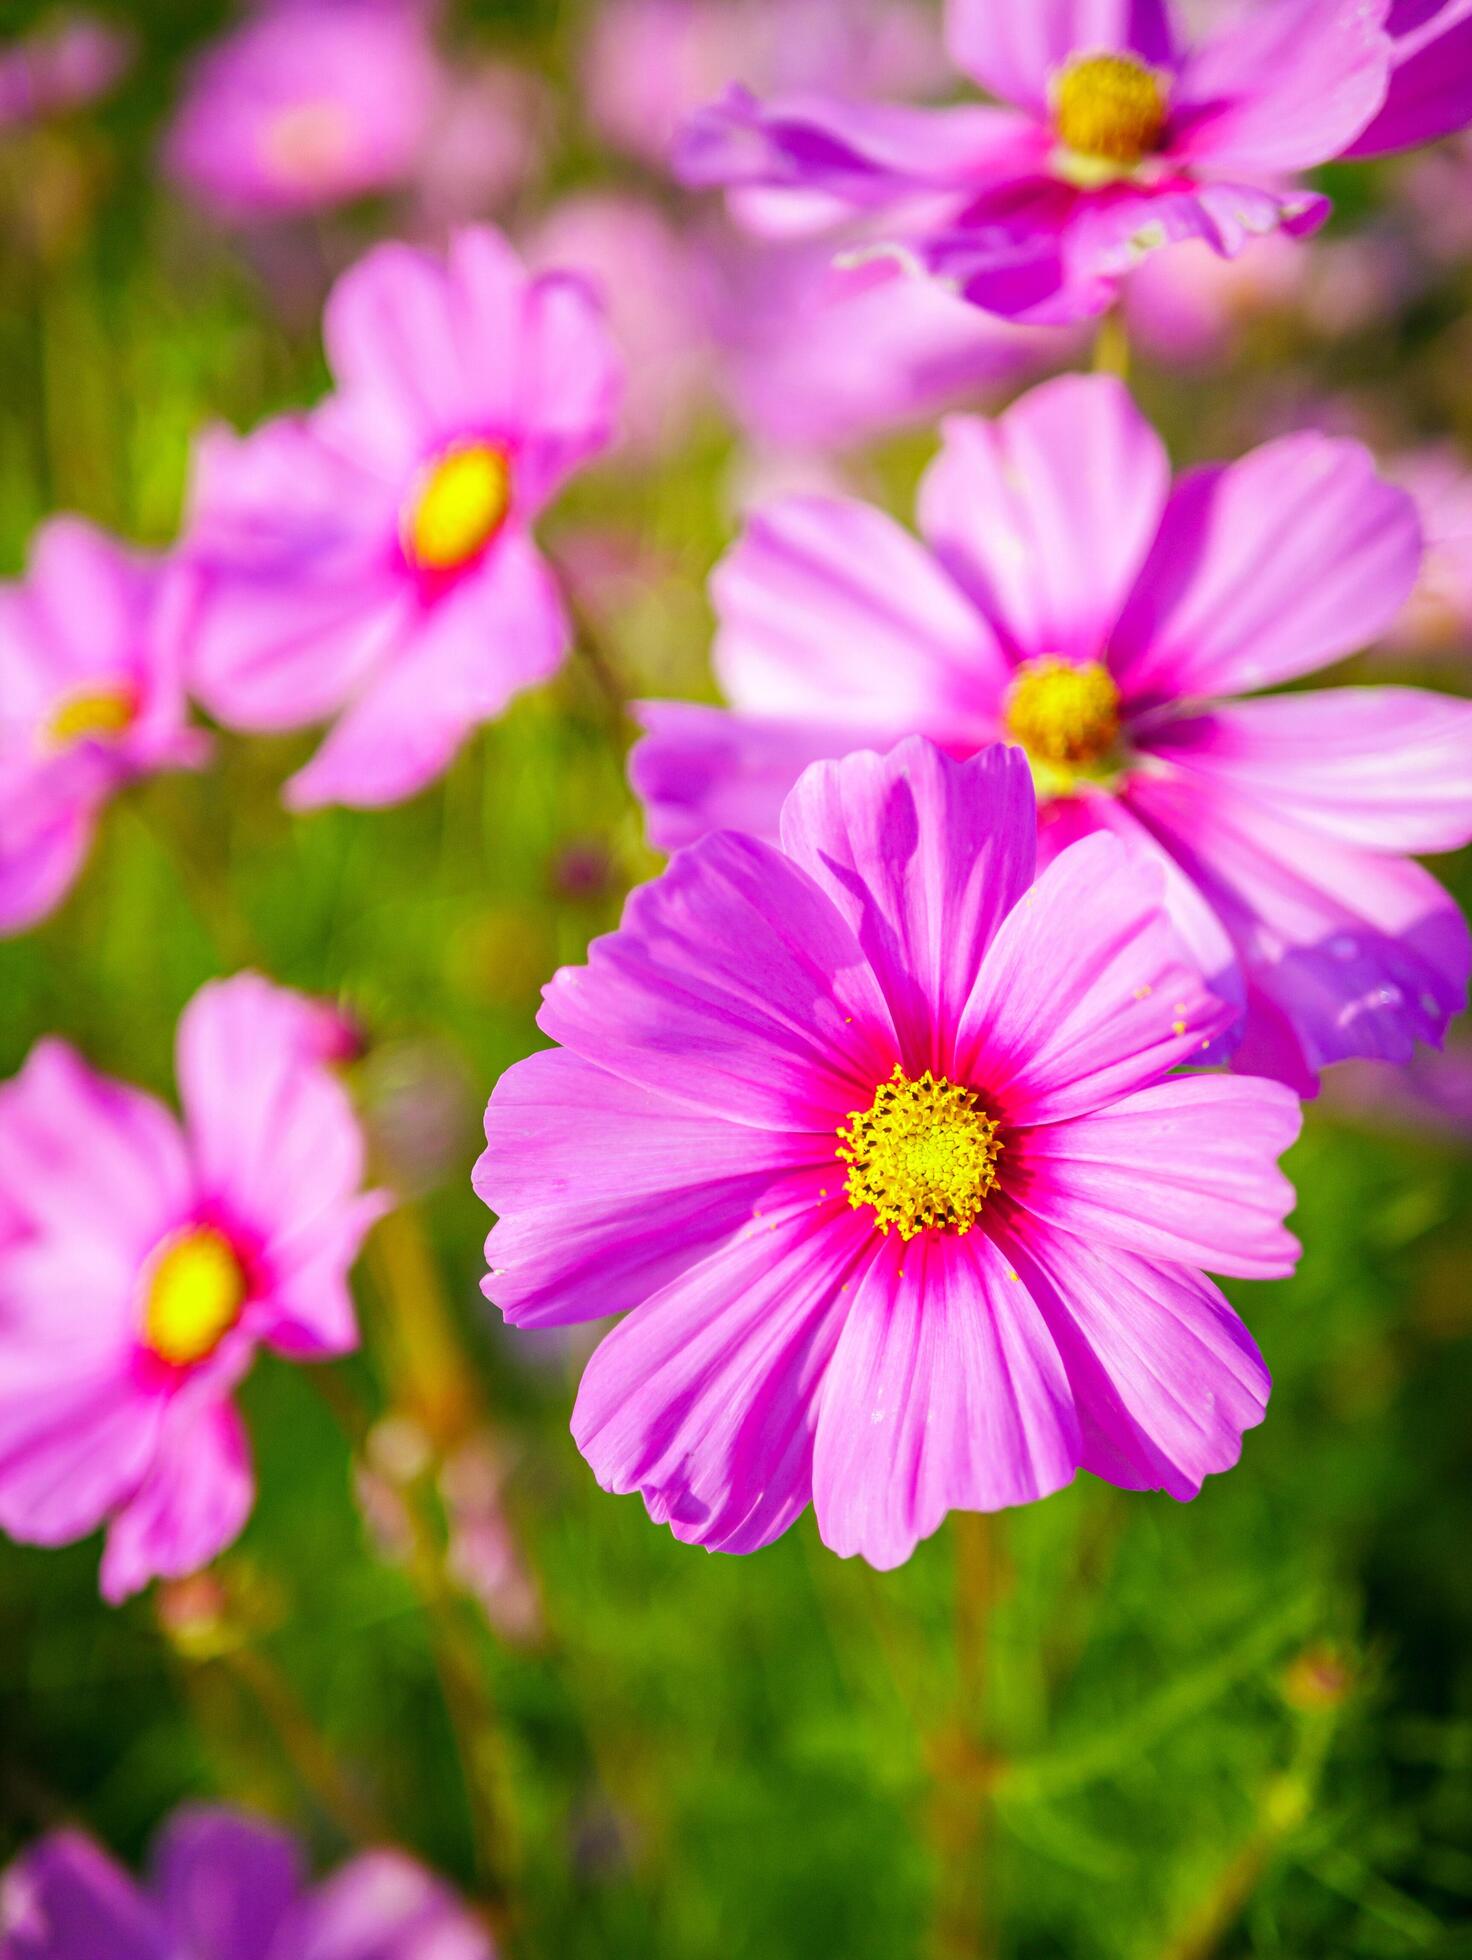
x=1075 y=603
x=374 y=560
x=142 y=1263
x=878 y=1142
x=90 y=700
x=308 y=104
x=1121 y=135
x=225 y=1886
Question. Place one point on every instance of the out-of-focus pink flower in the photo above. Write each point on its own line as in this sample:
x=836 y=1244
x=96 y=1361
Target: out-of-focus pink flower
x=875 y=1138
x=484 y=144
x=90 y=699
x=484 y=1558
x=71 y=60
x=374 y=560
x=1439 y=617
x=650 y=63
x=307 y=104
x=657 y=284
x=147 y=1261
x=1122 y=133
x=1189 y=305
x=1433 y=1094
x=227 y=1886
x=1076 y=603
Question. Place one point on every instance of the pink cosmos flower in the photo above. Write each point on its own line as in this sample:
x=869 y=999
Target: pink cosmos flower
x=226 y=1886
x=374 y=560
x=90 y=700
x=1121 y=134
x=1074 y=603
x=73 y=59
x=309 y=103
x=879 y=1142
x=144 y=1262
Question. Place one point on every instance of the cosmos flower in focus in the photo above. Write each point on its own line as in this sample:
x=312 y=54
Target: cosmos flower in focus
x=70 y=60
x=307 y=104
x=1072 y=602
x=1120 y=134
x=878 y=1143
x=373 y=560
x=226 y=1886
x=90 y=700
x=143 y=1262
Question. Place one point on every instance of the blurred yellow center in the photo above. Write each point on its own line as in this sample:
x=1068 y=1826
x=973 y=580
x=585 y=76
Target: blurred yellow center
x=457 y=507
x=98 y=714
x=309 y=143
x=923 y=1155
x=1066 y=717
x=1109 y=107
x=195 y=1293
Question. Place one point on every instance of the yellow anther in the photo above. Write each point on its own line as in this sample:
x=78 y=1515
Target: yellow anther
x=923 y=1155
x=196 y=1290
x=93 y=714
x=459 y=503
x=1110 y=108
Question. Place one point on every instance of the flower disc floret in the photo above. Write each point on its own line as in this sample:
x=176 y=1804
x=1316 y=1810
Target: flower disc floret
x=1110 y=107
x=1065 y=716
x=196 y=1289
x=92 y=714
x=923 y=1155
x=457 y=506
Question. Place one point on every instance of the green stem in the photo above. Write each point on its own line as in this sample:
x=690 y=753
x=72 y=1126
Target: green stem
x=1112 y=345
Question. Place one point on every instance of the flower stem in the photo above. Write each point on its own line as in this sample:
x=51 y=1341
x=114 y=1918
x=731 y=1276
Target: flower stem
x=1112 y=345
x=961 y=1760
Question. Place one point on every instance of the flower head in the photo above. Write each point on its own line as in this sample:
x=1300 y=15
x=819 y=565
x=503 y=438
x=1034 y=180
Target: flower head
x=74 y=58
x=227 y=1886
x=90 y=700
x=374 y=559
x=143 y=1263
x=1075 y=603
x=306 y=105
x=1120 y=133
x=879 y=1143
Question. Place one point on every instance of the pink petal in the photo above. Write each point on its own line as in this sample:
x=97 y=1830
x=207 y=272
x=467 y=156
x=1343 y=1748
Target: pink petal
x=945 y=1393
x=865 y=153
x=1015 y=47
x=66 y=1899
x=1430 y=92
x=923 y=857
x=698 y=769
x=39 y=866
x=1387 y=768
x=704 y=1399
x=382 y=1906
x=606 y=1190
x=73 y=1445
x=274 y=1136
x=733 y=986
x=1184 y=1172
x=1165 y=1376
x=828 y=611
x=1283 y=87
x=1266 y=569
x=86 y=1159
x=1362 y=955
x=193 y=1502
x=1046 y=515
x=459 y=662
x=571 y=383
x=1084 y=994
x=226 y=1881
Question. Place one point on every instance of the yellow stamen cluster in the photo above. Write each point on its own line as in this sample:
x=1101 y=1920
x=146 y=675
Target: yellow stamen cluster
x=1066 y=717
x=457 y=506
x=196 y=1289
x=923 y=1155
x=92 y=714
x=1109 y=107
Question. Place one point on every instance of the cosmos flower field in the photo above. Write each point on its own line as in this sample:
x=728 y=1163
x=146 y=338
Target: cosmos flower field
x=735 y=774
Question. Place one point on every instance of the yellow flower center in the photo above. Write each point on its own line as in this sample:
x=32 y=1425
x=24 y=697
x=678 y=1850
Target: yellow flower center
x=309 y=143
x=196 y=1290
x=93 y=714
x=1109 y=108
x=923 y=1155
x=457 y=506
x=1067 y=719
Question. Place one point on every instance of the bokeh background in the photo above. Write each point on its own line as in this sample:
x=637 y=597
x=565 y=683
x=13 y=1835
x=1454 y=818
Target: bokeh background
x=1107 y=1725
